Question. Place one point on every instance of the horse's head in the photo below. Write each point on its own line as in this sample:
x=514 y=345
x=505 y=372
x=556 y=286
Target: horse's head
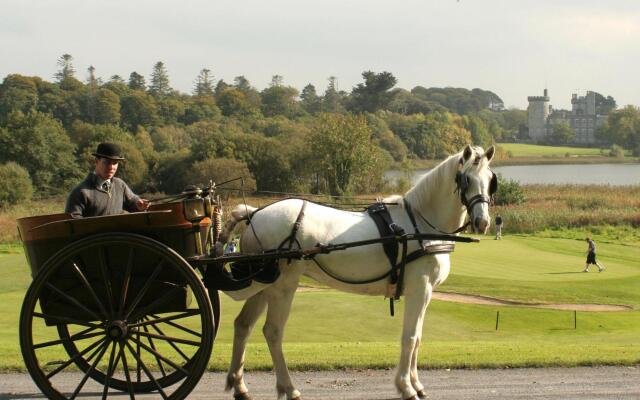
x=476 y=184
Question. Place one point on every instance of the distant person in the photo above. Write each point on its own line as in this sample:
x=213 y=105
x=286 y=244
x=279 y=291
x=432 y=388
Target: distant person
x=498 y=227
x=231 y=247
x=591 y=256
x=101 y=193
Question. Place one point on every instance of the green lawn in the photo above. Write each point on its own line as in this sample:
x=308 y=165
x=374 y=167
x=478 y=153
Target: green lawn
x=533 y=150
x=330 y=329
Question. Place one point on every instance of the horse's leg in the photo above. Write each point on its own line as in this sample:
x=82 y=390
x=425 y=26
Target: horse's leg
x=415 y=379
x=279 y=299
x=242 y=327
x=416 y=295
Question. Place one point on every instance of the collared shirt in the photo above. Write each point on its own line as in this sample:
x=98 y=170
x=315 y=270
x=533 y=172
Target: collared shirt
x=100 y=182
x=592 y=246
x=90 y=199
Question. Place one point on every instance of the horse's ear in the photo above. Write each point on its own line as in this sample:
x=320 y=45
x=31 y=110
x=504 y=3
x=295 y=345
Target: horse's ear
x=466 y=154
x=491 y=151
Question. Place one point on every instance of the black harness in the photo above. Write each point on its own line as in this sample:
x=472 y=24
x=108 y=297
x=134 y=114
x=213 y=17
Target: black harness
x=386 y=227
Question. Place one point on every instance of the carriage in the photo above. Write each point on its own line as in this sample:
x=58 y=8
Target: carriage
x=130 y=303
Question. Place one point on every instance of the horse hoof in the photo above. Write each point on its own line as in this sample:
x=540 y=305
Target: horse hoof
x=421 y=394
x=242 y=396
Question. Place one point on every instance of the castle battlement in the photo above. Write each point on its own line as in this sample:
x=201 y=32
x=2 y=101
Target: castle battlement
x=538 y=98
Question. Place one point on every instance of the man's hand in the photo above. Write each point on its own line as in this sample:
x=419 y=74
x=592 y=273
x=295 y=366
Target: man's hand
x=142 y=204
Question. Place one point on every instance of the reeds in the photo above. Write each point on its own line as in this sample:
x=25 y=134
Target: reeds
x=559 y=207
x=579 y=208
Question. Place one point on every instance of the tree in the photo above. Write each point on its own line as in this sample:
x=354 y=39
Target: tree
x=623 y=127
x=220 y=170
x=159 y=86
x=136 y=81
x=64 y=105
x=204 y=83
x=66 y=71
x=171 y=109
x=509 y=192
x=138 y=108
x=199 y=109
x=562 y=133
x=15 y=184
x=432 y=136
x=250 y=93
x=373 y=94
x=107 y=107
x=170 y=138
x=17 y=93
x=279 y=100
x=233 y=101
x=341 y=145
x=220 y=87
x=65 y=75
x=332 y=98
x=604 y=105
x=39 y=143
x=90 y=95
x=309 y=100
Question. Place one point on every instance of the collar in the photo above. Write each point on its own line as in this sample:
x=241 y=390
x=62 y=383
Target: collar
x=99 y=181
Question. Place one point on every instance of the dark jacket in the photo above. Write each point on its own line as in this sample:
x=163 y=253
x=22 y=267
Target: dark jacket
x=89 y=200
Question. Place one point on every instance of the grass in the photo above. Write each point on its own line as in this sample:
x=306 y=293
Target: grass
x=330 y=329
x=533 y=150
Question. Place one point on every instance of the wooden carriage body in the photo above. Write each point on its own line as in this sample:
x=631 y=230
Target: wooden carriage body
x=45 y=236
x=119 y=298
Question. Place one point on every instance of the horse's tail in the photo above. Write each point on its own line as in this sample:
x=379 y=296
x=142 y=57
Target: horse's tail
x=240 y=213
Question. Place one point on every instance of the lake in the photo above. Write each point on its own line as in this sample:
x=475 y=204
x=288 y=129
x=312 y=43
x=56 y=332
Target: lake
x=582 y=174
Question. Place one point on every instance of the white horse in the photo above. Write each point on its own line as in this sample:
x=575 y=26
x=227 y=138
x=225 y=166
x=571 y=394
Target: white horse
x=437 y=202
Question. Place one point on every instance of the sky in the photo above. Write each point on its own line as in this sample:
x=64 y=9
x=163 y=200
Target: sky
x=515 y=48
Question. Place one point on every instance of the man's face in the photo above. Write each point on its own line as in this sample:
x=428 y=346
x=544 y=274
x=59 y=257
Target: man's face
x=106 y=168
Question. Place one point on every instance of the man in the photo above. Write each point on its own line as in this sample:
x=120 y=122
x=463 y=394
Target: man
x=591 y=256
x=498 y=227
x=101 y=193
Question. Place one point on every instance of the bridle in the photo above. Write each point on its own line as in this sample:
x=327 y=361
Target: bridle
x=462 y=185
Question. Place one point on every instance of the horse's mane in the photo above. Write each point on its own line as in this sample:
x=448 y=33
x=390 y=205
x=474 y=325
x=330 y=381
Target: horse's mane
x=441 y=176
x=435 y=178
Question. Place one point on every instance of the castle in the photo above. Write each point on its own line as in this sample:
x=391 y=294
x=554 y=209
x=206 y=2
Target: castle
x=582 y=118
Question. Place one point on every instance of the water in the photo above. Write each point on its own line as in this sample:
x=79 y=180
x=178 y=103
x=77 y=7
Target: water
x=581 y=174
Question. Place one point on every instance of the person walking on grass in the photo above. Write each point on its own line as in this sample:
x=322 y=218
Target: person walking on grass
x=591 y=256
x=498 y=227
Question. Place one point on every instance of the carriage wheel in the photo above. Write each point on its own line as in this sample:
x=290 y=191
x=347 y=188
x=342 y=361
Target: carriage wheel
x=116 y=306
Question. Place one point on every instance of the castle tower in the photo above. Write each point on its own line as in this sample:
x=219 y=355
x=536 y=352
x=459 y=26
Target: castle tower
x=538 y=112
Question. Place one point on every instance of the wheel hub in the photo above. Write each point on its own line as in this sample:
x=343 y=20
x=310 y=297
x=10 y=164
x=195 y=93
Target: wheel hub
x=117 y=330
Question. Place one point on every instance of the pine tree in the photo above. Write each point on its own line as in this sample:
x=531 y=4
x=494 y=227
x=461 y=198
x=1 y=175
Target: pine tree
x=204 y=83
x=136 y=81
x=159 y=81
x=66 y=70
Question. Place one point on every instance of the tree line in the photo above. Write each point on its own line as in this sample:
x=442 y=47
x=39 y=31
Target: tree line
x=279 y=138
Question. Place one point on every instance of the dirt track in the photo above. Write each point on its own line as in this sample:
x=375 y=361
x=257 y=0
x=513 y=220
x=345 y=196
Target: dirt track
x=470 y=299
x=590 y=383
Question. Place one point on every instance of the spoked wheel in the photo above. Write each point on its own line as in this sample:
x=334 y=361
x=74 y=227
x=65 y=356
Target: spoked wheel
x=126 y=311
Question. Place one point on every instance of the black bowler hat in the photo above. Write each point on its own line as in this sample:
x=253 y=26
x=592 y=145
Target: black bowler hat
x=109 y=150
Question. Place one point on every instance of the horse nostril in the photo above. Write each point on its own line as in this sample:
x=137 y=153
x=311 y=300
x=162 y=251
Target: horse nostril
x=480 y=224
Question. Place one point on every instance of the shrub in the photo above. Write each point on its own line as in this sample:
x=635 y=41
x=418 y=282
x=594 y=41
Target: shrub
x=509 y=192
x=616 y=151
x=220 y=170
x=15 y=184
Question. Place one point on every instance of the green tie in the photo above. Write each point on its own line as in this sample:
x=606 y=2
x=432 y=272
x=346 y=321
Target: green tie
x=107 y=186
